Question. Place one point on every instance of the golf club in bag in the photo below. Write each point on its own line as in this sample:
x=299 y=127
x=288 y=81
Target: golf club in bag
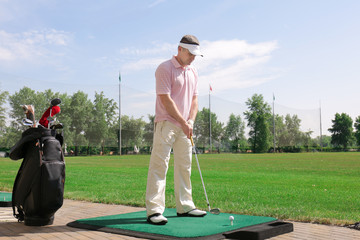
x=215 y=211
x=29 y=111
x=39 y=185
x=48 y=119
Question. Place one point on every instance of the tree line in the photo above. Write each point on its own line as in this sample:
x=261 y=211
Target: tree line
x=92 y=126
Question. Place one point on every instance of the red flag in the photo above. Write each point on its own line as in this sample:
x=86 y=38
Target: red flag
x=210 y=87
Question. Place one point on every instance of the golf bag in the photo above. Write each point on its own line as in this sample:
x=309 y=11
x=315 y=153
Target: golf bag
x=39 y=185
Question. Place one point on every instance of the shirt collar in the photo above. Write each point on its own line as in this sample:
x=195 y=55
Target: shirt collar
x=176 y=63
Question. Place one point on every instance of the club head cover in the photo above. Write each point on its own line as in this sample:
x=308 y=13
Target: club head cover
x=44 y=119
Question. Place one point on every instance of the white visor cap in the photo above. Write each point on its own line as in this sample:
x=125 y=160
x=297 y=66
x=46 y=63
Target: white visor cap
x=193 y=48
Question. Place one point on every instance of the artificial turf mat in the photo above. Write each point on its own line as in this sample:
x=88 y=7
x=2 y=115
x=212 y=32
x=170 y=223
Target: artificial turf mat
x=208 y=227
x=5 y=199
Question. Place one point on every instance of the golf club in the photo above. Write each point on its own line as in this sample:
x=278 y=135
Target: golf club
x=54 y=102
x=47 y=118
x=27 y=122
x=29 y=111
x=215 y=211
x=56 y=125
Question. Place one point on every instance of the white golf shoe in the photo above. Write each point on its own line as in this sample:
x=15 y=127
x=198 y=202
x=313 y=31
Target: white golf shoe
x=157 y=219
x=193 y=213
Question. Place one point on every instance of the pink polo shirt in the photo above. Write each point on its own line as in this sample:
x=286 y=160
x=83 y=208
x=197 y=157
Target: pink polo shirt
x=181 y=83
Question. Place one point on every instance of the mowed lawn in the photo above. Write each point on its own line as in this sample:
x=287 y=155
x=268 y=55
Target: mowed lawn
x=316 y=187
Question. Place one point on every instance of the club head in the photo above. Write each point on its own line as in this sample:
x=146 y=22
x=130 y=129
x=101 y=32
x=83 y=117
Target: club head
x=27 y=122
x=25 y=108
x=55 y=102
x=215 y=211
x=29 y=111
x=57 y=126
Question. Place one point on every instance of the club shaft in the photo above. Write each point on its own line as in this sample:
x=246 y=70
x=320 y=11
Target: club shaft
x=202 y=180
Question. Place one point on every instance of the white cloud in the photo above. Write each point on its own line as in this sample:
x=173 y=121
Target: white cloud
x=234 y=64
x=31 y=44
x=145 y=63
x=235 y=48
x=157 y=49
x=6 y=54
x=227 y=64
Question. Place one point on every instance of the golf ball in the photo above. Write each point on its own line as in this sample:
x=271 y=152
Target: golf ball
x=231 y=218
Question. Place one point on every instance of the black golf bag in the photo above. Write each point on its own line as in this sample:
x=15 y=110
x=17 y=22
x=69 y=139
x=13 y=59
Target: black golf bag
x=39 y=185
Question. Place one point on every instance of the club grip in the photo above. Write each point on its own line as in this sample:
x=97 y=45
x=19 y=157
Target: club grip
x=192 y=141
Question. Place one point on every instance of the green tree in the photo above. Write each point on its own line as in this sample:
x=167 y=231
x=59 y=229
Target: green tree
x=294 y=135
x=149 y=131
x=258 y=117
x=234 y=133
x=326 y=141
x=357 y=130
x=288 y=131
x=4 y=130
x=80 y=111
x=111 y=118
x=97 y=126
x=202 y=130
x=132 y=131
x=342 y=130
x=3 y=98
x=280 y=131
x=25 y=96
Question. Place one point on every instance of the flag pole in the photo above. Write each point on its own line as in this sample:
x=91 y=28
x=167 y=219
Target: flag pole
x=119 y=113
x=274 y=121
x=321 y=142
x=210 y=120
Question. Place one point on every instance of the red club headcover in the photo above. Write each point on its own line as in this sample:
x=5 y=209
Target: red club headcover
x=43 y=120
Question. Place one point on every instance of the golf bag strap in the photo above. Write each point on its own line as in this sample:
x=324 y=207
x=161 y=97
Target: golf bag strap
x=40 y=142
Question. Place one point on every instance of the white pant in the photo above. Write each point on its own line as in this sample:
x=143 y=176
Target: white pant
x=166 y=136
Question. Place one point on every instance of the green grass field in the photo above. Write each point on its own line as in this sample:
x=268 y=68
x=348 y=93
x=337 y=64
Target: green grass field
x=309 y=187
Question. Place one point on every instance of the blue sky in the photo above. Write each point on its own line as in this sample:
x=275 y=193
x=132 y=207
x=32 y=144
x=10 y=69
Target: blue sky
x=303 y=52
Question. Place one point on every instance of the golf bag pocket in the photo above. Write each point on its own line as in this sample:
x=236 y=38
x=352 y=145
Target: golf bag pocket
x=51 y=149
x=52 y=186
x=52 y=175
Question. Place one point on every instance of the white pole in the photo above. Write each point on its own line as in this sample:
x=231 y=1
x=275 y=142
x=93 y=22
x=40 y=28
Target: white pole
x=210 y=123
x=274 y=120
x=321 y=142
x=119 y=114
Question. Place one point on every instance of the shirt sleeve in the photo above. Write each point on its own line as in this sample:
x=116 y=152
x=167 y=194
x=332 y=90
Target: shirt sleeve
x=163 y=79
x=196 y=91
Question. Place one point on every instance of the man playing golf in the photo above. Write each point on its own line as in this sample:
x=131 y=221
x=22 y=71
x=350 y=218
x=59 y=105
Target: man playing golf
x=175 y=113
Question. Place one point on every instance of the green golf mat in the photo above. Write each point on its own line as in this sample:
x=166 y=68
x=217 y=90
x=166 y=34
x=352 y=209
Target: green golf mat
x=208 y=227
x=5 y=199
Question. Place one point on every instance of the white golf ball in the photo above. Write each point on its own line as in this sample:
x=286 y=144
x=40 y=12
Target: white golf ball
x=231 y=218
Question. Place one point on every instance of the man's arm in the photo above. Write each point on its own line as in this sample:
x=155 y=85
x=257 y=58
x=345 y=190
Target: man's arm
x=173 y=111
x=193 y=109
